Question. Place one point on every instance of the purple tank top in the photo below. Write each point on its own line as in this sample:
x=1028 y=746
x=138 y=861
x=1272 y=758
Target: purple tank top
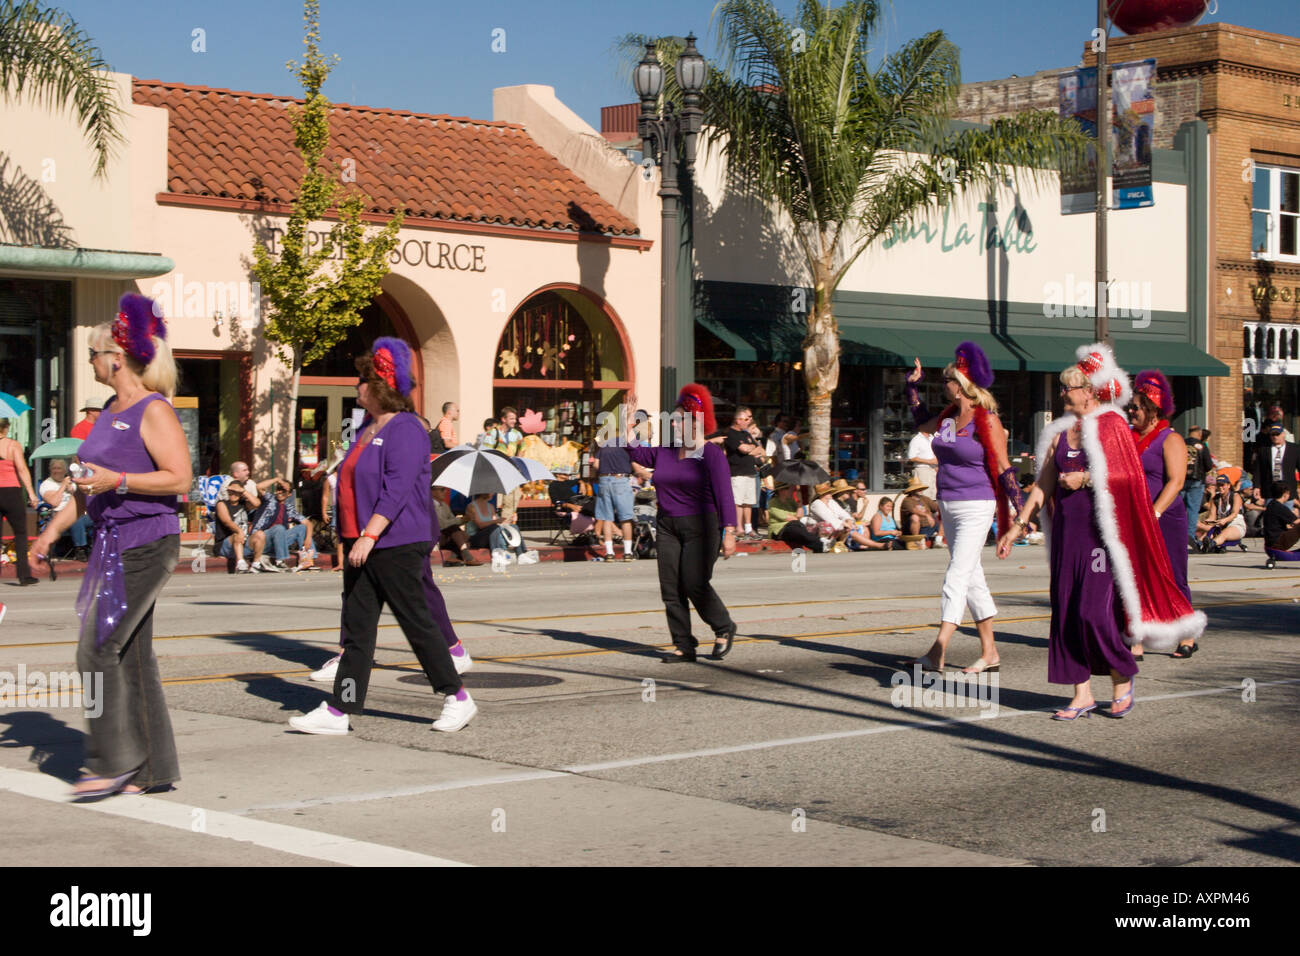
x=962 y=476
x=115 y=443
x=1153 y=464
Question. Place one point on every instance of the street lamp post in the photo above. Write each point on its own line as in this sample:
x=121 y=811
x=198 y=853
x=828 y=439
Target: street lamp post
x=663 y=134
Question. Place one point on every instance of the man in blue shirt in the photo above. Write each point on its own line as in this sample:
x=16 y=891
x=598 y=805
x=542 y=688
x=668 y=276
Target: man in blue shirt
x=285 y=528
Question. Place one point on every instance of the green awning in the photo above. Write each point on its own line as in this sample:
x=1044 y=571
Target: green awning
x=779 y=339
x=91 y=263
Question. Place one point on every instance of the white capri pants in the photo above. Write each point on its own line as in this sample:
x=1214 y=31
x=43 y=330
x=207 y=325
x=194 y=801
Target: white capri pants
x=966 y=525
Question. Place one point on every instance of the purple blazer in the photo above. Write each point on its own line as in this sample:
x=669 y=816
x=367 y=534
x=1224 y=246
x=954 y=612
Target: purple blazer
x=392 y=478
x=690 y=486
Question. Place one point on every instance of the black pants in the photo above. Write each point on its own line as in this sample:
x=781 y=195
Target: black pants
x=133 y=728
x=687 y=548
x=797 y=535
x=13 y=505
x=390 y=576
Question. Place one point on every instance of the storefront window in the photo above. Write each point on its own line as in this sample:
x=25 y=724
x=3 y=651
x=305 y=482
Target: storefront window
x=35 y=316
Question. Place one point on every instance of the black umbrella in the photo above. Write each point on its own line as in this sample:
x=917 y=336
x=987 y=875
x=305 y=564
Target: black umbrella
x=473 y=471
x=801 y=471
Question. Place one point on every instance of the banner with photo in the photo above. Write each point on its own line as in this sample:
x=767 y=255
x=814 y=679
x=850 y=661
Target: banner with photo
x=1077 y=100
x=1132 y=135
x=1134 y=131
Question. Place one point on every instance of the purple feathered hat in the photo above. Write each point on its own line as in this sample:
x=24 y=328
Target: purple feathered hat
x=1152 y=383
x=138 y=319
x=392 y=362
x=974 y=364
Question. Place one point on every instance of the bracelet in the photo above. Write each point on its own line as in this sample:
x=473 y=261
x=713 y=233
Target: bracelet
x=372 y=537
x=121 y=485
x=1020 y=522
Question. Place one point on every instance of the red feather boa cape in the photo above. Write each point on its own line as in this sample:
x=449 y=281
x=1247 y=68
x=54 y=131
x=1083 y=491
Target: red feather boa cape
x=1156 y=612
x=984 y=435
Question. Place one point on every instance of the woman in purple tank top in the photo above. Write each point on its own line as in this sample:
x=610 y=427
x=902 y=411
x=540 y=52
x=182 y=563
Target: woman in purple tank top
x=138 y=463
x=1163 y=454
x=971 y=446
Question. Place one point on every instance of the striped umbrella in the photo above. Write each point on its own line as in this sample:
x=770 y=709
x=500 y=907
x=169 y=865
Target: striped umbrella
x=472 y=471
x=532 y=469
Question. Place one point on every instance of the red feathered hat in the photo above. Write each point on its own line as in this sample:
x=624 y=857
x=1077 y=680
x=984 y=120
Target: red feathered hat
x=695 y=398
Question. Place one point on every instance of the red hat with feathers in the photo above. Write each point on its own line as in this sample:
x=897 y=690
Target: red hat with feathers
x=695 y=398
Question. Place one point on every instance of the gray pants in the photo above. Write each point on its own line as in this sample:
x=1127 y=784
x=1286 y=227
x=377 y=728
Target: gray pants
x=133 y=730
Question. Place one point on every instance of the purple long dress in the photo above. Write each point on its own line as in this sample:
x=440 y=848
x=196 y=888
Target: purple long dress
x=1087 y=635
x=1173 y=523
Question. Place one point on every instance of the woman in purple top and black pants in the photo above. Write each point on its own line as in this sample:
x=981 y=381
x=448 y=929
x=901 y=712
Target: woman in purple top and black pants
x=696 y=513
x=386 y=527
x=138 y=463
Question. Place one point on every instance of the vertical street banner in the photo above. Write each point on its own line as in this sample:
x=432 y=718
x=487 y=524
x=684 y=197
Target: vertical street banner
x=1134 y=129
x=1132 y=134
x=1077 y=100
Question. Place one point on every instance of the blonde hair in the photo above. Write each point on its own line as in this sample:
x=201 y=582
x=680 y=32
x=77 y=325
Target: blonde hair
x=1075 y=377
x=160 y=375
x=977 y=396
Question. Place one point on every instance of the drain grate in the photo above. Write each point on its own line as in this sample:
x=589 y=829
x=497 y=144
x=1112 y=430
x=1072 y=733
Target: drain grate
x=492 y=681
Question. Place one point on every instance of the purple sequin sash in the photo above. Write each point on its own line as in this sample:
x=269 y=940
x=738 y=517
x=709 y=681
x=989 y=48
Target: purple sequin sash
x=104 y=585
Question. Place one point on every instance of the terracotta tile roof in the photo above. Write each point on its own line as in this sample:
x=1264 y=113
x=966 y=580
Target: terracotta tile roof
x=236 y=145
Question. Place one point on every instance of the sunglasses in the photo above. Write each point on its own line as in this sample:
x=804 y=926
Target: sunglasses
x=95 y=353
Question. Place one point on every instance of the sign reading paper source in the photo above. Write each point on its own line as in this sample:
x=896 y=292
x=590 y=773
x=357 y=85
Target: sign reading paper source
x=1132 y=134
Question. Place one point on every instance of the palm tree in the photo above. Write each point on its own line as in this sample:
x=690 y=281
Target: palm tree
x=44 y=53
x=847 y=152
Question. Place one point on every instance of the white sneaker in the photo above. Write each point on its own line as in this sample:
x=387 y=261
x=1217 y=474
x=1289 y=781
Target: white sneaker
x=268 y=565
x=455 y=713
x=326 y=674
x=321 y=721
x=242 y=567
x=531 y=557
x=464 y=662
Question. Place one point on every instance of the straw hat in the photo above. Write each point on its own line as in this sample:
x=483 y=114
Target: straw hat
x=840 y=486
x=915 y=485
x=823 y=488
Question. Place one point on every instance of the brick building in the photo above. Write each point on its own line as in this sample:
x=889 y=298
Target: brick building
x=1245 y=86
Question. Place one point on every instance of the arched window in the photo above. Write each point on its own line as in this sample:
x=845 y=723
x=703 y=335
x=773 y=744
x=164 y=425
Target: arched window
x=1295 y=341
x=1245 y=344
x=1270 y=350
x=1259 y=342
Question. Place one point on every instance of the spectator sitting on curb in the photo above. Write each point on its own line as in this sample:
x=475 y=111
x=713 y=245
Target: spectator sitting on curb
x=285 y=528
x=785 y=520
x=488 y=530
x=835 y=521
x=451 y=535
x=231 y=537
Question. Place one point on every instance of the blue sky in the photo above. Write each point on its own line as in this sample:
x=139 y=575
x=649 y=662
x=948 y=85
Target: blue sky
x=436 y=57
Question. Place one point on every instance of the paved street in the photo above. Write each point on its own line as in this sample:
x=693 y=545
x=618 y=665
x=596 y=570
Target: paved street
x=789 y=752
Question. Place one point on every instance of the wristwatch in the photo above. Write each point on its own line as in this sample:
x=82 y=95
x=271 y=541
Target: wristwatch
x=121 y=485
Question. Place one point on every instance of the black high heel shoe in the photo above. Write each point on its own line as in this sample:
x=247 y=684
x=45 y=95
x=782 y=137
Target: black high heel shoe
x=1184 y=651
x=725 y=639
x=675 y=658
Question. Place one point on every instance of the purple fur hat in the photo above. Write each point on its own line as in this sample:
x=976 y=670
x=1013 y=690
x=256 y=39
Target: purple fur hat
x=1152 y=383
x=974 y=364
x=398 y=374
x=138 y=319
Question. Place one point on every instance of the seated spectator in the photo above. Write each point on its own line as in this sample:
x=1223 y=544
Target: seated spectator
x=451 y=534
x=836 y=523
x=285 y=528
x=231 y=537
x=883 y=530
x=59 y=492
x=785 y=520
x=1281 y=524
x=1206 y=520
x=919 y=513
x=1228 y=521
x=1253 y=506
x=860 y=501
x=487 y=530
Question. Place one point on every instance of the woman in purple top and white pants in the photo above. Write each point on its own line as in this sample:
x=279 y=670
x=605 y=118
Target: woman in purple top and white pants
x=696 y=512
x=139 y=462
x=970 y=444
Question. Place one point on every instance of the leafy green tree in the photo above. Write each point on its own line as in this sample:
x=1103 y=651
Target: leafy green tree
x=313 y=297
x=45 y=54
x=845 y=151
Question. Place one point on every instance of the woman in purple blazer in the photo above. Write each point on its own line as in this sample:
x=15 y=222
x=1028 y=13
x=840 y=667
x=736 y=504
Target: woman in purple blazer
x=385 y=524
x=693 y=484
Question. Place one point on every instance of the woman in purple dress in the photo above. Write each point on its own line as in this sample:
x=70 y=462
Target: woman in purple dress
x=138 y=463
x=696 y=512
x=1163 y=454
x=1088 y=625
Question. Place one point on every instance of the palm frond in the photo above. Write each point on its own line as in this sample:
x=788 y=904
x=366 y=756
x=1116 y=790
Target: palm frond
x=44 y=54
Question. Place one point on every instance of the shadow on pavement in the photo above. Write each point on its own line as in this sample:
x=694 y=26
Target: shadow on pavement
x=56 y=748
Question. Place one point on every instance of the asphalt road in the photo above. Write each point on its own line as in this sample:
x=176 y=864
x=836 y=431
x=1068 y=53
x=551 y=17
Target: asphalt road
x=587 y=750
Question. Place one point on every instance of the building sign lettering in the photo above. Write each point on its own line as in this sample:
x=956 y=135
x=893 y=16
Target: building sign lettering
x=458 y=257
x=1272 y=293
x=1016 y=234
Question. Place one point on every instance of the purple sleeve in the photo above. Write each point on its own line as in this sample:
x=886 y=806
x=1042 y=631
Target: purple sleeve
x=404 y=456
x=643 y=455
x=715 y=460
